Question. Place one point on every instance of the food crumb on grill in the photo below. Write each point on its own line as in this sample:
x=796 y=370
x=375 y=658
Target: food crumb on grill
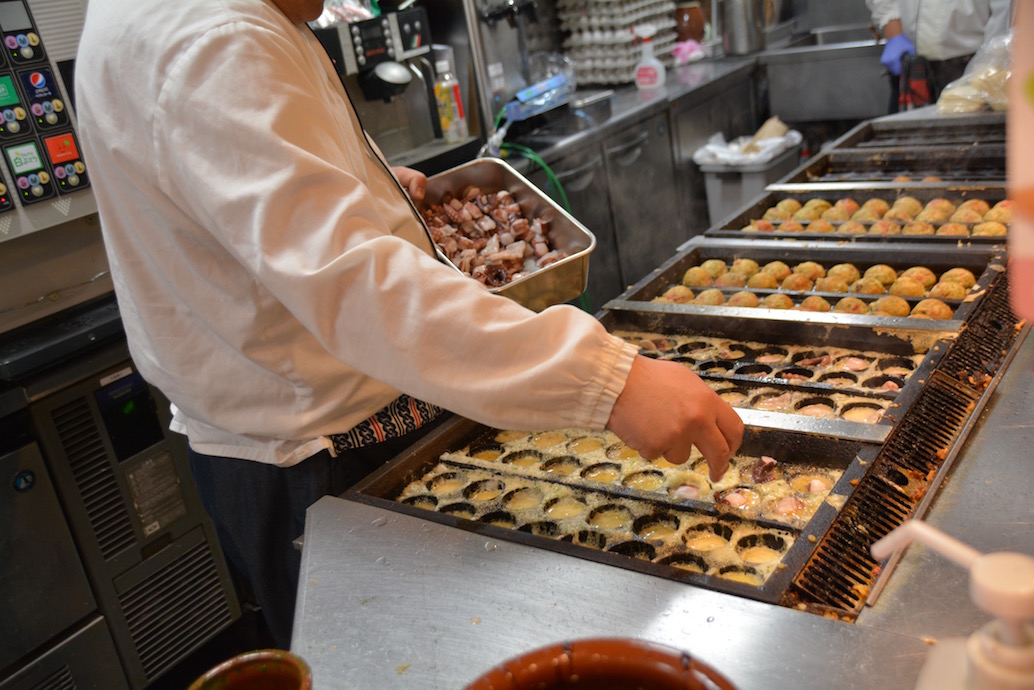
x=812 y=539
x=930 y=640
x=476 y=620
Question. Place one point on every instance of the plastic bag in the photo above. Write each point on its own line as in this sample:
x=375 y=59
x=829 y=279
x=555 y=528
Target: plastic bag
x=769 y=141
x=984 y=84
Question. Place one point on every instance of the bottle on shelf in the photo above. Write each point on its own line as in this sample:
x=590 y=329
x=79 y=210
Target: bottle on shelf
x=649 y=72
x=450 y=104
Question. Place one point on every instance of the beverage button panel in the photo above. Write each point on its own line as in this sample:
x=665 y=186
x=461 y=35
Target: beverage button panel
x=20 y=38
x=6 y=201
x=14 y=118
x=62 y=153
x=31 y=176
x=40 y=86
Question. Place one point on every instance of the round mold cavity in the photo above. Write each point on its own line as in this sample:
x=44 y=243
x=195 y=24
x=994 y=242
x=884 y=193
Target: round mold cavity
x=523 y=458
x=707 y=536
x=500 y=518
x=717 y=366
x=619 y=451
x=896 y=366
x=811 y=483
x=760 y=370
x=771 y=355
x=739 y=498
x=548 y=439
x=656 y=528
x=884 y=383
x=734 y=396
x=585 y=445
x=635 y=549
x=766 y=539
x=795 y=374
x=459 y=509
x=809 y=358
x=853 y=363
x=523 y=498
x=817 y=407
x=863 y=412
x=423 y=501
x=686 y=561
x=743 y=574
x=509 y=436
x=659 y=344
x=648 y=480
x=839 y=378
x=447 y=483
x=694 y=347
x=772 y=400
x=603 y=472
x=591 y=538
x=610 y=516
x=564 y=507
x=541 y=528
x=486 y=449
x=484 y=490
x=562 y=466
x=735 y=351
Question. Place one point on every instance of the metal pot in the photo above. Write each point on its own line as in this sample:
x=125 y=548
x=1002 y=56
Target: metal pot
x=743 y=23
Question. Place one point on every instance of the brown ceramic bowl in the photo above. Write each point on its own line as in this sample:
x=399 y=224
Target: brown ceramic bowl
x=611 y=663
x=265 y=669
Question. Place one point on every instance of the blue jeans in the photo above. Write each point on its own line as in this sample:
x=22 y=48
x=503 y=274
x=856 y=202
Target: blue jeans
x=259 y=510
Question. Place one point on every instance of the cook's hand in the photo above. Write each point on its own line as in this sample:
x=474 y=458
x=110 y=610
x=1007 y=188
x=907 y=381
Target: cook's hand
x=413 y=181
x=895 y=49
x=666 y=409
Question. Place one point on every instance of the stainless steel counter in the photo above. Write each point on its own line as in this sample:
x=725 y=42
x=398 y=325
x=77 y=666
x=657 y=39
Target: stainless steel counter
x=391 y=601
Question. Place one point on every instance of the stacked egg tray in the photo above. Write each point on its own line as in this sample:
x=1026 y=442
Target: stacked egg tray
x=847 y=382
x=660 y=290
x=886 y=213
x=585 y=494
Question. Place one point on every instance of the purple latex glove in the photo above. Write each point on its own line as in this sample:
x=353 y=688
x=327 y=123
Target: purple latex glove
x=896 y=48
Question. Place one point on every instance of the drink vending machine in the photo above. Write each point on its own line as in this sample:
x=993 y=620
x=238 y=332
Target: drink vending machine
x=111 y=571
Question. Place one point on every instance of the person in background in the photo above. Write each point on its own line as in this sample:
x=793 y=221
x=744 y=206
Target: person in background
x=277 y=284
x=945 y=32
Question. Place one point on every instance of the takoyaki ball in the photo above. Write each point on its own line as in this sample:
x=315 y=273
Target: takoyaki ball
x=918 y=227
x=777 y=300
x=679 y=294
x=791 y=226
x=796 y=282
x=879 y=206
x=831 y=284
x=989 y=229
x=866 y=215
x=852 y=227
x=851 y=305
x=978 y=205
x=921 y=273
x=812 y=269
x=730 y=280
x=944 y=290
x=715 y=267
x=744 y=298
x=941 y=204
x=868 y=286
x=953 y=229
x=932 y=178
x=937 y=211
x=697 y=277
x=807 y=213
x=962 y=276
x=932 y=309
x=776 y=213
x=966 y=215
x=820 y=225
x=907 y=287
x=1000 y=212
x=819 y=203
x=711 y=298
x=791 y=205
x=901 y=178
x=814 y=303
x=745 y=267
x=881 y=272
x=762 y=281
x=761 y=225
x=898 y=215
x=848 y=204
x=835 y=214
x=910 y=204
x=884 y=227
x=776 y=269
x=848 y=272
x=890 y=306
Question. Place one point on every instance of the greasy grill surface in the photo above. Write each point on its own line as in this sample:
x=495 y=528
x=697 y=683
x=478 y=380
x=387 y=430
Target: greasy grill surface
x=948 y=164
x=978 y=130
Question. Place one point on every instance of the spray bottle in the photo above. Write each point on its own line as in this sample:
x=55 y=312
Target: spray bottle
x=649 y=72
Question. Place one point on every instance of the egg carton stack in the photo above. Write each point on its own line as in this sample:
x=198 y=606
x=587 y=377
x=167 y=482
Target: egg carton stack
x=600 y=39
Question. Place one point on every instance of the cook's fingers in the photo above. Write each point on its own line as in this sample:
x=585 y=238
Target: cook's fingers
x=731 y=426
x=679 y=452
x=715 y=449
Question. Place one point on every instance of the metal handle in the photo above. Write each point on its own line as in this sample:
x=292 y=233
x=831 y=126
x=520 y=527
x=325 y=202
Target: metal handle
x=636 y=144
x=580 y=172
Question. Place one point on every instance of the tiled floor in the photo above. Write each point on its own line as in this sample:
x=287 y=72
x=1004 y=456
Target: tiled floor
x=248 y=633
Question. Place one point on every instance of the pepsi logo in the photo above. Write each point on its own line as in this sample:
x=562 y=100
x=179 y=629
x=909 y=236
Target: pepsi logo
x=37 y=80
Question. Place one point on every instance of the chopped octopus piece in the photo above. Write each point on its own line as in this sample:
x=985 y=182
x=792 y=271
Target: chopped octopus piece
x=688 y=491
x=765 y=470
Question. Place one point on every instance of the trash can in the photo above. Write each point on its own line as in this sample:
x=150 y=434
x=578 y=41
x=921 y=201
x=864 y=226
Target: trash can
x=730 y=188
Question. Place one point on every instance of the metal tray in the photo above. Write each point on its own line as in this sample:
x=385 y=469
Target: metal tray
x=986 y=263
x=851 y=457
x=937 y=131
x=556 y=283
x=888 y=344
x=731 y=227
x=955 y=164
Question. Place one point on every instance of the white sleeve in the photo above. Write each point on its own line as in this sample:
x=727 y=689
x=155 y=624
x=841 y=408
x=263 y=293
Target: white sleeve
x=883 y=11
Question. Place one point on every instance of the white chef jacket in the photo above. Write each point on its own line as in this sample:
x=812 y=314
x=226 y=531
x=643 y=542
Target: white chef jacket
x=944 y=29
x=274 y=281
